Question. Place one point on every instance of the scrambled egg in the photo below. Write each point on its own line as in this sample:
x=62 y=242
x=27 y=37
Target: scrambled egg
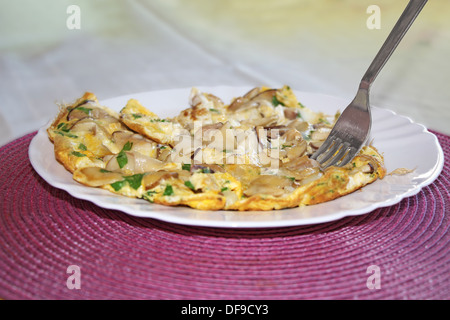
x=252 y=153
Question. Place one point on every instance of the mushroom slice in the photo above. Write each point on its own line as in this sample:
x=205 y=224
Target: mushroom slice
x=85 y=110
x=268 y=185
x=96 y=177
x=216 y=101
x=244 y=103
x=320 y=134
x=212 y=126
x=245 y=173
x=297 y=150
x=110 y=123
x=132 y=162
x=236 y=104
x=261 y=121
x=370 y=167
x=292 y=135
x=299 y=125
x=140 y=144
x=152 y=179
x=301 y=163
x=299 y=175
x=274 y=132
x=87 y=124
x=81 y=111
x=143 y=163
x=291 y=113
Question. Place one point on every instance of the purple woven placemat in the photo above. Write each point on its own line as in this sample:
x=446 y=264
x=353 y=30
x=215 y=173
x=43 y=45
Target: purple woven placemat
x=43 y=231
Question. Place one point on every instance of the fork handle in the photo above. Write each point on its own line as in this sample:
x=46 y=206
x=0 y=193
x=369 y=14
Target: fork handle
x=401 y=27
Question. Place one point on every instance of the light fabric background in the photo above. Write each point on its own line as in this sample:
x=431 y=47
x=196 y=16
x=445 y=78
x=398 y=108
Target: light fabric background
x=126 y=46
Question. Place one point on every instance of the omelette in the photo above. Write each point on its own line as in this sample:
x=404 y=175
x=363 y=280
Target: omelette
x=250 y=153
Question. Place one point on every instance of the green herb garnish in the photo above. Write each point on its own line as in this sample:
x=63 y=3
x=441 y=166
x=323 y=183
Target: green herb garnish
x=189 y=185
x=133 y=181
x=118 y=185
x=276 y=102
x=63 y=127
x=82 y=147
x=122 y=158
x=78 y=154
x=158 y=120
x=168 y=191
x=65 y=134
x=186 y=166
x=149 y=195
x=83 y=109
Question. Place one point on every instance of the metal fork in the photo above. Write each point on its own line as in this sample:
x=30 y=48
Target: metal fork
x=352 y=129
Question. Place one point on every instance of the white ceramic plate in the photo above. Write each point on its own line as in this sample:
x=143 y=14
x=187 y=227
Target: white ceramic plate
x=405 y=144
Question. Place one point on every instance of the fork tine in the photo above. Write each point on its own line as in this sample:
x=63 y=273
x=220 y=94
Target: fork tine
x=329 y=152
x=337 y=156
x=349 y=156
x=325 y=145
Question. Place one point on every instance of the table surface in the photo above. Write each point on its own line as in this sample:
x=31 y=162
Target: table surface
x=134 y=46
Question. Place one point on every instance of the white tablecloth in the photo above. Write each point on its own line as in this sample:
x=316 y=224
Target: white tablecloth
x=126 y=46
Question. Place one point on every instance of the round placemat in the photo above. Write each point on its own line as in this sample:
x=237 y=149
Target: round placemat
x=53 y=246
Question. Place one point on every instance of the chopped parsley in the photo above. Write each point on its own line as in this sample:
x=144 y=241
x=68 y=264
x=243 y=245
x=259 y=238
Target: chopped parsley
x=136 y=116
x=64 y=130
x=224 y=189
x=63 y=127
x=118 y=185
x=186 y=166
x=78 y=154
x=133 y=181
x=149 y=195
x=83 y=109
x=168 y=191
x=189 y=185
x=276 y=102
x=82 y=147
x=214 y=110
x=158 y=120
x=65 y=134
x=122 y=158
